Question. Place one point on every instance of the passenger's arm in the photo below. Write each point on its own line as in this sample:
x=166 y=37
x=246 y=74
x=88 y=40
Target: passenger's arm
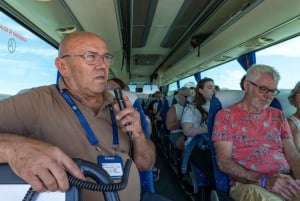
x=295 y=134
x=144 y=150
x=278 y=183
x=171 y=121
x=227 y=165
x=190 y=131
x=41 y=165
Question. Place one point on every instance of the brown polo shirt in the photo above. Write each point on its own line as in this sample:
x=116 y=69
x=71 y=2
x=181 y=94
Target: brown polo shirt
x=42 y=113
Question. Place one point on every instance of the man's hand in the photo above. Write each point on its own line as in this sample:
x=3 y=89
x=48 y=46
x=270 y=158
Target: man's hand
x=41 y=165
x=129 y=119
x=284 y=185
x=144 y=149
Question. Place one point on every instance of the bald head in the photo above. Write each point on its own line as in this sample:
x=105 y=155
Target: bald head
x=77 y=40
x=83 y=77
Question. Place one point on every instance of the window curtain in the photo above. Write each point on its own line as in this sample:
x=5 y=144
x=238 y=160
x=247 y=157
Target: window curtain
x=197 y=76
x=247 y=60
x=167 y=89
x=160 y=89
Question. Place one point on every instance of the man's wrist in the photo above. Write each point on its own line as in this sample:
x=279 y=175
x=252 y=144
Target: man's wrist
x=138 y=136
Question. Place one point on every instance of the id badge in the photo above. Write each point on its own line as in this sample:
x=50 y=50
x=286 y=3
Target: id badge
x=113 y=165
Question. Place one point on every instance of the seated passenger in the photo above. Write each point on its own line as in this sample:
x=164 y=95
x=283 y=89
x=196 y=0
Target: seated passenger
x=193 y=123
x=154 y=110
x=116 y=83
x=173 y=121
x=294 y=120
x=254 y=144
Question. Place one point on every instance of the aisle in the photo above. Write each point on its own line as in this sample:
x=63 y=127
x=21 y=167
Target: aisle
x=168 y=184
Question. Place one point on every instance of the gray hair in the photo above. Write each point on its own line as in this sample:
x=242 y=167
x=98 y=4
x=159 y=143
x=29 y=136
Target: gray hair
x=292 y=96
x=256 y=70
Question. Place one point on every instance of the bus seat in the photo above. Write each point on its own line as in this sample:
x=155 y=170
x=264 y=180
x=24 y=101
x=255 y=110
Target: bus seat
x=174 y=100
x=222 y=180
x=170 y=99
x=164 y=111
x=221 y=99
x=188 y=150
x=198 y=177
x=287 y=108
x=162 y=132
x=146 y=177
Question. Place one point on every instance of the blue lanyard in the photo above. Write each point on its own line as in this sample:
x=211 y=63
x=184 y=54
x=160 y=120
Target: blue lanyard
x=88 y=131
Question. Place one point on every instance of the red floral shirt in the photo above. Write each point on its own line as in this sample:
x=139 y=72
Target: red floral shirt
x=256 y=137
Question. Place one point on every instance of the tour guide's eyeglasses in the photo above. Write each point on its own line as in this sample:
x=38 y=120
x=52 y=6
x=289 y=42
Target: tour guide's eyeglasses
x=92 y=58
x=264 y=89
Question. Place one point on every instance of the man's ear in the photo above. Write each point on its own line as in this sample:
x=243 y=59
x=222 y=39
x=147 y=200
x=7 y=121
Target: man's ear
x=61 y=66
x=246 y=85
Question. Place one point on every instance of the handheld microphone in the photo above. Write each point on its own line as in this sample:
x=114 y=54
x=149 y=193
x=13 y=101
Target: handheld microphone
x=118 y=95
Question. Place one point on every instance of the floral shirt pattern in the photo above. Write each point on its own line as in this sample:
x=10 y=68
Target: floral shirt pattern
x=256 y=137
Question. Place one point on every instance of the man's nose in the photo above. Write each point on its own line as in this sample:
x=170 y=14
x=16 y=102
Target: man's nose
x=101 y=64
x=269 y=95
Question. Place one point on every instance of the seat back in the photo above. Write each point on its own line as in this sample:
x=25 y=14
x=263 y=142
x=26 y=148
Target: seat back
x=282 y=98
x=220 y=100
x=145 y=176
x=164 y=110
x=198 y=178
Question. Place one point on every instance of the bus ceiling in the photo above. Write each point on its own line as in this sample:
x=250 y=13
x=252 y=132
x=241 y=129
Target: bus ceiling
x=163 y=41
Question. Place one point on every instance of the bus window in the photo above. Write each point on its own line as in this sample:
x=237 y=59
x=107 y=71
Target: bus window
x=282 y=56
x=147 y=88
x=172 y=88
x=26 y=60
x=226 y=76
x=285 y=57
x=188 y=82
